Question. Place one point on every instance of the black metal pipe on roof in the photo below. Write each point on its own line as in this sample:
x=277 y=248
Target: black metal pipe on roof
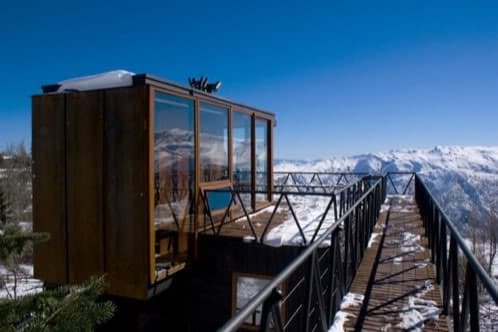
x=50 y=88
x=142 y=79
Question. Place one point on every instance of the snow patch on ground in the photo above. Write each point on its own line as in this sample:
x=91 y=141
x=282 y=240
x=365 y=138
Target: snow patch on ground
x=419 y=310
x=26 y=284
x=350 y=300
x=373 y=237
x=309 y=211
x=384 y=208
x=410 y=243
x=408 y=199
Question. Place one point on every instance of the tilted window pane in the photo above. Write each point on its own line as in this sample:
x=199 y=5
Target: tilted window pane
x=213 y=142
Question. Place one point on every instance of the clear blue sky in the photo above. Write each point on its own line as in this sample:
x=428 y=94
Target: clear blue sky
x=343 y=77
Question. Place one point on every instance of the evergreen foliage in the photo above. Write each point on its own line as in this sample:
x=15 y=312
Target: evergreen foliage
x=5 y=210
x=74 y=308
x=70 y=308
x=14 y=243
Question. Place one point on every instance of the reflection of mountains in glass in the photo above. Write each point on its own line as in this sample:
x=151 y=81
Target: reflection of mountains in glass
x=175 y=144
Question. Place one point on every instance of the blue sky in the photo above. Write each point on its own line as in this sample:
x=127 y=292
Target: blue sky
x=343 y=77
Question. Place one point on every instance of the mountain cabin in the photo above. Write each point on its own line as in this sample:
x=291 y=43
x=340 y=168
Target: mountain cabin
x=121 y=163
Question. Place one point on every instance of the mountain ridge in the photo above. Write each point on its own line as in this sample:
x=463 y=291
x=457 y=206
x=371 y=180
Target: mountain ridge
x=463 y=178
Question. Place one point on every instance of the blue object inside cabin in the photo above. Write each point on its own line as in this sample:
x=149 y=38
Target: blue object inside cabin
x=219 y=199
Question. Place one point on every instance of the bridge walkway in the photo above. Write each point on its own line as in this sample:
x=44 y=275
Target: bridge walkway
x=395 y=287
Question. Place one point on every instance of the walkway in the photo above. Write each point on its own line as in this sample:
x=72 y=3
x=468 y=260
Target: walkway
x=395 y=287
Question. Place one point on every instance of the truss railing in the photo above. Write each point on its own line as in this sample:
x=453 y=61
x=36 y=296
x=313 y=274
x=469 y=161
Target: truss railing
x=400 y=183
x=461 y=276
x=328 y=270
x=397 y=183
x=314 y=181
x=340 y=198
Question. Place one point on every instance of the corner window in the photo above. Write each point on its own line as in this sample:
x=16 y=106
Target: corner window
x=262 y=185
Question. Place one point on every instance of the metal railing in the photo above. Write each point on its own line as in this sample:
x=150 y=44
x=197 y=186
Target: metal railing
x=339 y=199
x=325 y=273
x=460 y=300
x=400 y=183
x=320 y=275
x=314 y=181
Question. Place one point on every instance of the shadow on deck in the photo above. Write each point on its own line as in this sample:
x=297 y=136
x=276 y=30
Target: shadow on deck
x=395 y=287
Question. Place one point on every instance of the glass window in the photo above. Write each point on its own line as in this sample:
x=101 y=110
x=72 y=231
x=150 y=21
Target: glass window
x=174 y=166
x=262 y=129
x=246 y=288
x=242 y=156
x=213 y=142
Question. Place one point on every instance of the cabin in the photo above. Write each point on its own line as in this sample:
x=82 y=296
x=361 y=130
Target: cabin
x=121 y=162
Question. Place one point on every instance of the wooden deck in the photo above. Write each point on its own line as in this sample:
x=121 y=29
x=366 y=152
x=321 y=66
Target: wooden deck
x=240 y=227
x=395 y=277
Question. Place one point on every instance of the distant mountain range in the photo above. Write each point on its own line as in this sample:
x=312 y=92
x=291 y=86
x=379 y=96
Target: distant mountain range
x=463 y=179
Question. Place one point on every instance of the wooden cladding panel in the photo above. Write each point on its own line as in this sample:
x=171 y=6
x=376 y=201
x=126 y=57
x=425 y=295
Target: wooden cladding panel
x=49 y=187
x=84 y=134
x=126 y=189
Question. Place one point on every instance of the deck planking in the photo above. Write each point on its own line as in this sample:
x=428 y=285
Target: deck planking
x=396 y=277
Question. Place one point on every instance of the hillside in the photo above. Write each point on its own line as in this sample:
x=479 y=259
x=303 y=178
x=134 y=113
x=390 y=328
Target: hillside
x=464 y=179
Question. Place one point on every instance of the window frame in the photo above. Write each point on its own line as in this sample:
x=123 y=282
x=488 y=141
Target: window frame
x=236 y=275
x=197 y=99
x=153 y=277
x=269 y=161
x=229 y=137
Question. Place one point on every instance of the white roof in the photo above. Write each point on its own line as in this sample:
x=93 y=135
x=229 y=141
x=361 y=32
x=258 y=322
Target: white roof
x=110 y=79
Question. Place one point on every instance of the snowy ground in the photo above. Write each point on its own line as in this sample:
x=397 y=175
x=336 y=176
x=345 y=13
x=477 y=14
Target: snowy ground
x=349 y=300
x=418 y=310
x=25 y=284
x=309 y=211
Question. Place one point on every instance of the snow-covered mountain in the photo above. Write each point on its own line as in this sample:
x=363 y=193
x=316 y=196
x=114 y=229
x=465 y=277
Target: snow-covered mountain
x=464 y=179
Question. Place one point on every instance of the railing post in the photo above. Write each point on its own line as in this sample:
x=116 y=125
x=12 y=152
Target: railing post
x=347 y=244
x=473 y=299
x=356 y=238
x=444 y=266
x=333 y=277
x=271 y=306
x=439 y=244
x=309 y=292
x=454 y=283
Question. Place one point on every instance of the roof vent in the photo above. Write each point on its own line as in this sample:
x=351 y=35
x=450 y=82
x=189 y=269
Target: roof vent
x=202 y=84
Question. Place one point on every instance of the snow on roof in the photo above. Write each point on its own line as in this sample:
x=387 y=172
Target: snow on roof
x=110 y=79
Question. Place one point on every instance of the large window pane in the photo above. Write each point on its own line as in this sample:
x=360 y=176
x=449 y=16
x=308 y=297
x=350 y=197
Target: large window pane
x=213 y=142
x=174 y=167
x=242 y=157
x=262 y=160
